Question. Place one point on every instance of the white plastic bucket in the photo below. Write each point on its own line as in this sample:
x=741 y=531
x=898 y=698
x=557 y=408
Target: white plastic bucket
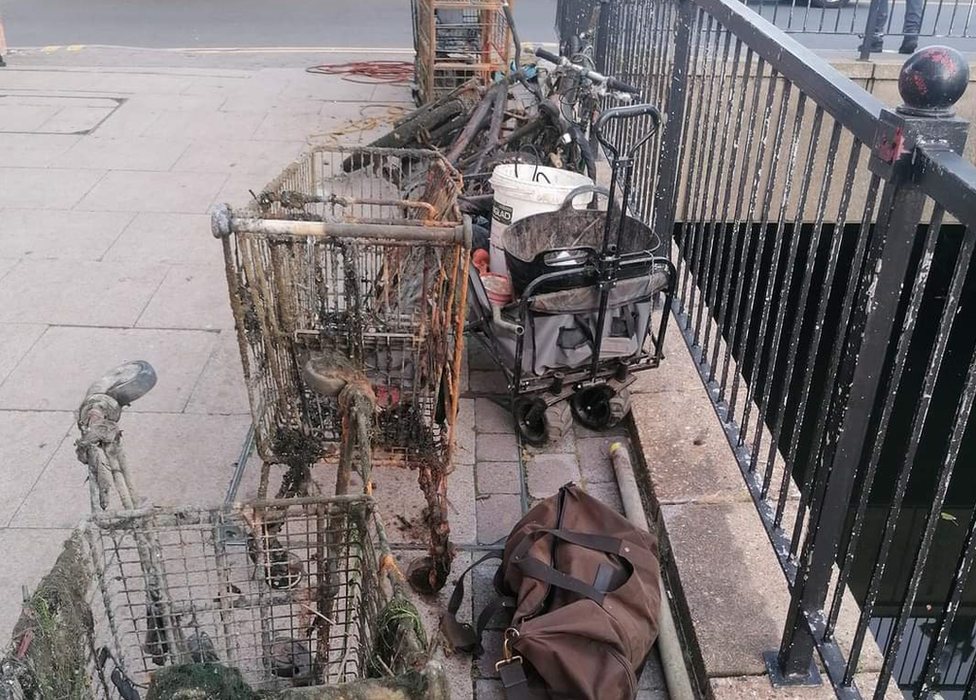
x=523 y=190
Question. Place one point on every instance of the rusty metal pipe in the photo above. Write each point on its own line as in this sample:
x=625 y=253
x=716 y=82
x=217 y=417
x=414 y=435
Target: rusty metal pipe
x=224 y=223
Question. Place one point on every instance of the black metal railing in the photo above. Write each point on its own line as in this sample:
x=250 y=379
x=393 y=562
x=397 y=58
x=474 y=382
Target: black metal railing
x=824 y=244
x=842 y=24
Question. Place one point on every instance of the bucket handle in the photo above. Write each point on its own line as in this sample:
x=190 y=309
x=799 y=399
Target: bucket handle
x=582 y=189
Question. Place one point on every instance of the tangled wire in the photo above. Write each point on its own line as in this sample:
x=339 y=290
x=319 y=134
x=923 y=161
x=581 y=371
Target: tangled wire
x=391 y=72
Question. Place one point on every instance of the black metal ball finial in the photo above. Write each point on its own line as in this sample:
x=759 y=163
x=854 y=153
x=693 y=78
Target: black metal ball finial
x=932 y=81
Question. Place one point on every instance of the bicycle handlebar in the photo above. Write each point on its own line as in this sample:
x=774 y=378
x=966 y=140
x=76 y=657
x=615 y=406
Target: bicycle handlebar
x=609 y=82
x=126 y=383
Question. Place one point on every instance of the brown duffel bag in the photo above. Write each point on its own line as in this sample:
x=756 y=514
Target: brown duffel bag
x=583 y=585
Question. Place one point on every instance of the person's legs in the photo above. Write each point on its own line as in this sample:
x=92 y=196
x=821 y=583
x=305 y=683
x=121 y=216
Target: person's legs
x=912 y=25
x=875 y=37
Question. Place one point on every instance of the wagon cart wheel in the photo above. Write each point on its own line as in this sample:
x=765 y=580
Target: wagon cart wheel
x=539 y=424
x=600 y=407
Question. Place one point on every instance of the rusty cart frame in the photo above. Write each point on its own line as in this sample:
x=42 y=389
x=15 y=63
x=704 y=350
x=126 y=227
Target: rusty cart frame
x=354 y=258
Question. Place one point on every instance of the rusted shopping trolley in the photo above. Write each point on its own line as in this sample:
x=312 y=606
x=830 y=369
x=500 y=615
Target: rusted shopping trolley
x=238 y=600
x=347 y=279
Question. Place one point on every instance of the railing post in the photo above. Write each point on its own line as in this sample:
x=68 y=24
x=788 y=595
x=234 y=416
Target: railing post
x=871 y=337
x=669 y=166
x=874 y=11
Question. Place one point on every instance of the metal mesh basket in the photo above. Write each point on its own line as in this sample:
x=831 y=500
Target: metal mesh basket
x=457 y=40
x=291 y=593
x=360 y=252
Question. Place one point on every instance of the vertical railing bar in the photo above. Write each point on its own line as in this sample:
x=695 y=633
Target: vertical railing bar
x=894 y=384
x=745 y=233
x=666 y=38
x=690 y=104
x=959 y=427
x=642 y=75
x=761 y=248
x=780 y=317
x=850 y=413
x=711 y=194
x=965 y=33
x=666 y=191
x=720 y=253
x=814 y=349
x=727 y=200
x=763 y=231
x=837 y=352
x=929 y=674
x=700 y=204
x=688 y=239
x=651 y=47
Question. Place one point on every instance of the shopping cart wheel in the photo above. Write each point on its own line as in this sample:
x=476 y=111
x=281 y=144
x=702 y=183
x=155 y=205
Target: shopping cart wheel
x=600 y=407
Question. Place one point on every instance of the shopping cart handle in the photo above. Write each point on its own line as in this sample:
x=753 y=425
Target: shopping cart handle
x=126 y=383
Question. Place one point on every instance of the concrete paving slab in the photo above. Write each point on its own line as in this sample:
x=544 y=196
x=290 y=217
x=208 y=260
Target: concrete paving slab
x=66 y=360
x=464 y=436
x=39 y=188
x=492 y=417
x=168 y=238
x=487 y=689
x=497 y=515
x=594 y=458
x=566 y=446
x=174 y=460
x=722 y=552
x=653 y=676
x=492 y=382
x=6 y=265
x=77 y=120
x=496 y=448
x=30 y=439
x=52 y=233
x=27 y=556
x=237 y=188
x=235 y=156
x=690 y=454
x=499 y=477
x=462 y=511
x=124 y=153
x=76 y=292
x=24 y=118
x=129 y=120
x=606 y=493
x=16 y=340
x=138 y=191
x=33 y=150
x=217 y=125
x=159 y=102
x=547 y=473
x=221 y=388
x=190 y=296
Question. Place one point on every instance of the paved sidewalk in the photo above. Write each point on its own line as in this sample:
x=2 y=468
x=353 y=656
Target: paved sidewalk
x=106 y=178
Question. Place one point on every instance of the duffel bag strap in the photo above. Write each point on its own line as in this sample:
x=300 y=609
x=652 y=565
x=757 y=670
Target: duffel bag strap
x=461 y=635
x=515 y=683
x=541 y=571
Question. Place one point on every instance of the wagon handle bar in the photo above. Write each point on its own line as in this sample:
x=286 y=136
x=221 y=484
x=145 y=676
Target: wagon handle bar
x=627 y=112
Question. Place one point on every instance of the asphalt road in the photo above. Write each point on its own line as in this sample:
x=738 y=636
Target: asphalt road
x=233 y=23
x=386 y=23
